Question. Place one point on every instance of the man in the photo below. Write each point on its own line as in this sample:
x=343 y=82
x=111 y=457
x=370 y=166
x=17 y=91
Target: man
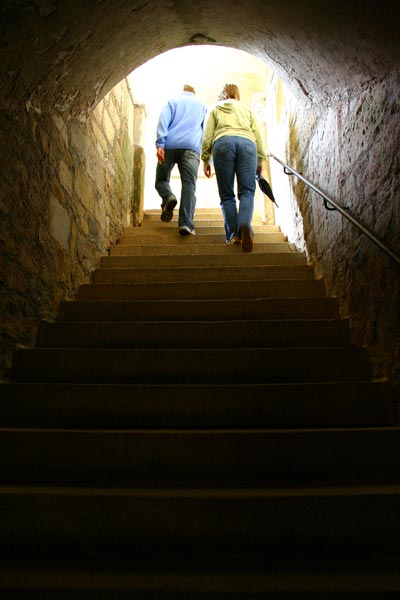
x=179 y=137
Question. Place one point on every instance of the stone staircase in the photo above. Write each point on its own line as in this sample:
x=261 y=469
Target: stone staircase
x=198 y=424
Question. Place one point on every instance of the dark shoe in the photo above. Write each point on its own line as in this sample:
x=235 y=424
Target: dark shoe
x=234 y=241
x=167 y=211
x=247 y=239
x=185 y=230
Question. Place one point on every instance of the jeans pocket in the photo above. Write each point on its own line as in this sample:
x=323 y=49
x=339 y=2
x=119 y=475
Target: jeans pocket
x=249 y=147
x=223 y=150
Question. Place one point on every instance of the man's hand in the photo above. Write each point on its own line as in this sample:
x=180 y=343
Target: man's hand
x=259 y=169
x=207 y=171
x=160 y=154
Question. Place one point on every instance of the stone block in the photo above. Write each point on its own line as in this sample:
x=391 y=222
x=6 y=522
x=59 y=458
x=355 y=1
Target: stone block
x=98 y=112
x=73 y=238
x=108 y=127
x=61 y=126
x=68 y=158
x=126 y=146
x=101 y=211
x=113 y=112
x=44 y=141
x=8 y=242
x=87 y=252
x=85 y=189
x=57 y=191
x=65 y=176
x=6 y=202
x=13 y=277
x=121 y=161
x=60 y=223
x=100 y=138
x=84 y=226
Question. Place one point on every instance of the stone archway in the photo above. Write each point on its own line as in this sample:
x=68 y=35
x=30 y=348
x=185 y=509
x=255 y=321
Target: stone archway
x=71 y=54
x=59 y=59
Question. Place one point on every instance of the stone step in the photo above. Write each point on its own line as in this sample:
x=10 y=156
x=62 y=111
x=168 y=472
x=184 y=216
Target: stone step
x=238 y=365
x=188 y=245
x=203 y=260
x=201 y=310
x=215 y=458
x=228 y=274
x=154 y=219
x=199 y=217
x=110 y=578
x=203 y=290
x=199 y=212
x=162 y=230
x=196 y=406
x=193 y=334
x=211 y=221
x=205 y=238
x=317 y=521
x=216 y=210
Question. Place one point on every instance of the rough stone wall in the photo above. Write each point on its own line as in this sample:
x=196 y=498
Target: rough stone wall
x=65 y=195
x=351 y=152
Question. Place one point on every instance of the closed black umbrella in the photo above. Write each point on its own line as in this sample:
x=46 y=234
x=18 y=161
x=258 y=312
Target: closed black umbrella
x=265 y=188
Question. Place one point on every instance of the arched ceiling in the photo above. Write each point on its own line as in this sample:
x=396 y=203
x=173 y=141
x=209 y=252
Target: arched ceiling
x=67 y=54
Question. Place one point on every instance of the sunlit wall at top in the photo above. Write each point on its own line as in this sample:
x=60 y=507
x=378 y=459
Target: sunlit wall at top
x=206 y=68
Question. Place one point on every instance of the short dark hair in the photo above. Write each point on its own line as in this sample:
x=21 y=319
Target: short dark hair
x=230 y=90
x=189 y=88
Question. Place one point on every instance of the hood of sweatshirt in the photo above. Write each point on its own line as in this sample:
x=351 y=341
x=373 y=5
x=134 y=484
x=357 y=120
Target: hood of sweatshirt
x=227 y=106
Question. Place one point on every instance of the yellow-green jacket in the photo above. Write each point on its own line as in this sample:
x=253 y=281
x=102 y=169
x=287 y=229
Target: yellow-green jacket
x=231 y=117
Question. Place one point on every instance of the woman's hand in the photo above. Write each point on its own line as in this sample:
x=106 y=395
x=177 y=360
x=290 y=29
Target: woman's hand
x=207 y=171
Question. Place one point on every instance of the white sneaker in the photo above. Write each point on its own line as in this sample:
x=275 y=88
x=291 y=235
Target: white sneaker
x=185 y=230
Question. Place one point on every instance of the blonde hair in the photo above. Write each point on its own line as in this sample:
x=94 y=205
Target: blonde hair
x=230 y=90
x=188 y=88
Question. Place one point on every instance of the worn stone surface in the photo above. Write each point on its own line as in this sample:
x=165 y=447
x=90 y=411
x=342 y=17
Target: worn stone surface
x=72 y=55
x=60 y=223
x=351 y=152
x=59 y=210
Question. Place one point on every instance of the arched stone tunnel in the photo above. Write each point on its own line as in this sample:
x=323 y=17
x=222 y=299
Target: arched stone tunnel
x=63 y=198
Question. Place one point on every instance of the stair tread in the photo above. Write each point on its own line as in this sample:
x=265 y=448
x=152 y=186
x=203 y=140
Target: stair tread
x=201 y=274
x=182 y=405
x=240 y=578
x=216 y=458
x=202 y=260
x=236 y=365
x=218 y=322
x=237 y=289
x=228 y=307
x=374 y=489
x=200 y=230
x=204 y=238
x=187 y=247
x=238 y=270
x=130 y=432
x=214 y=432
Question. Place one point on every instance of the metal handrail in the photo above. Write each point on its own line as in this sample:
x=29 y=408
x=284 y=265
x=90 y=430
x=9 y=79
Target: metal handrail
x=290 y=171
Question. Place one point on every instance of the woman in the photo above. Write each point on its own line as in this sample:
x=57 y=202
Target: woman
x=232 y=136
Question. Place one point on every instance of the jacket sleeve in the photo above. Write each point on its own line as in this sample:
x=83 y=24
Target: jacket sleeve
x=163 y=124
x=209 y=130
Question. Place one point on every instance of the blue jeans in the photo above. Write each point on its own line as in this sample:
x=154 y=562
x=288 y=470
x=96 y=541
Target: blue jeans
x=235 y=156
x=188 y=164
